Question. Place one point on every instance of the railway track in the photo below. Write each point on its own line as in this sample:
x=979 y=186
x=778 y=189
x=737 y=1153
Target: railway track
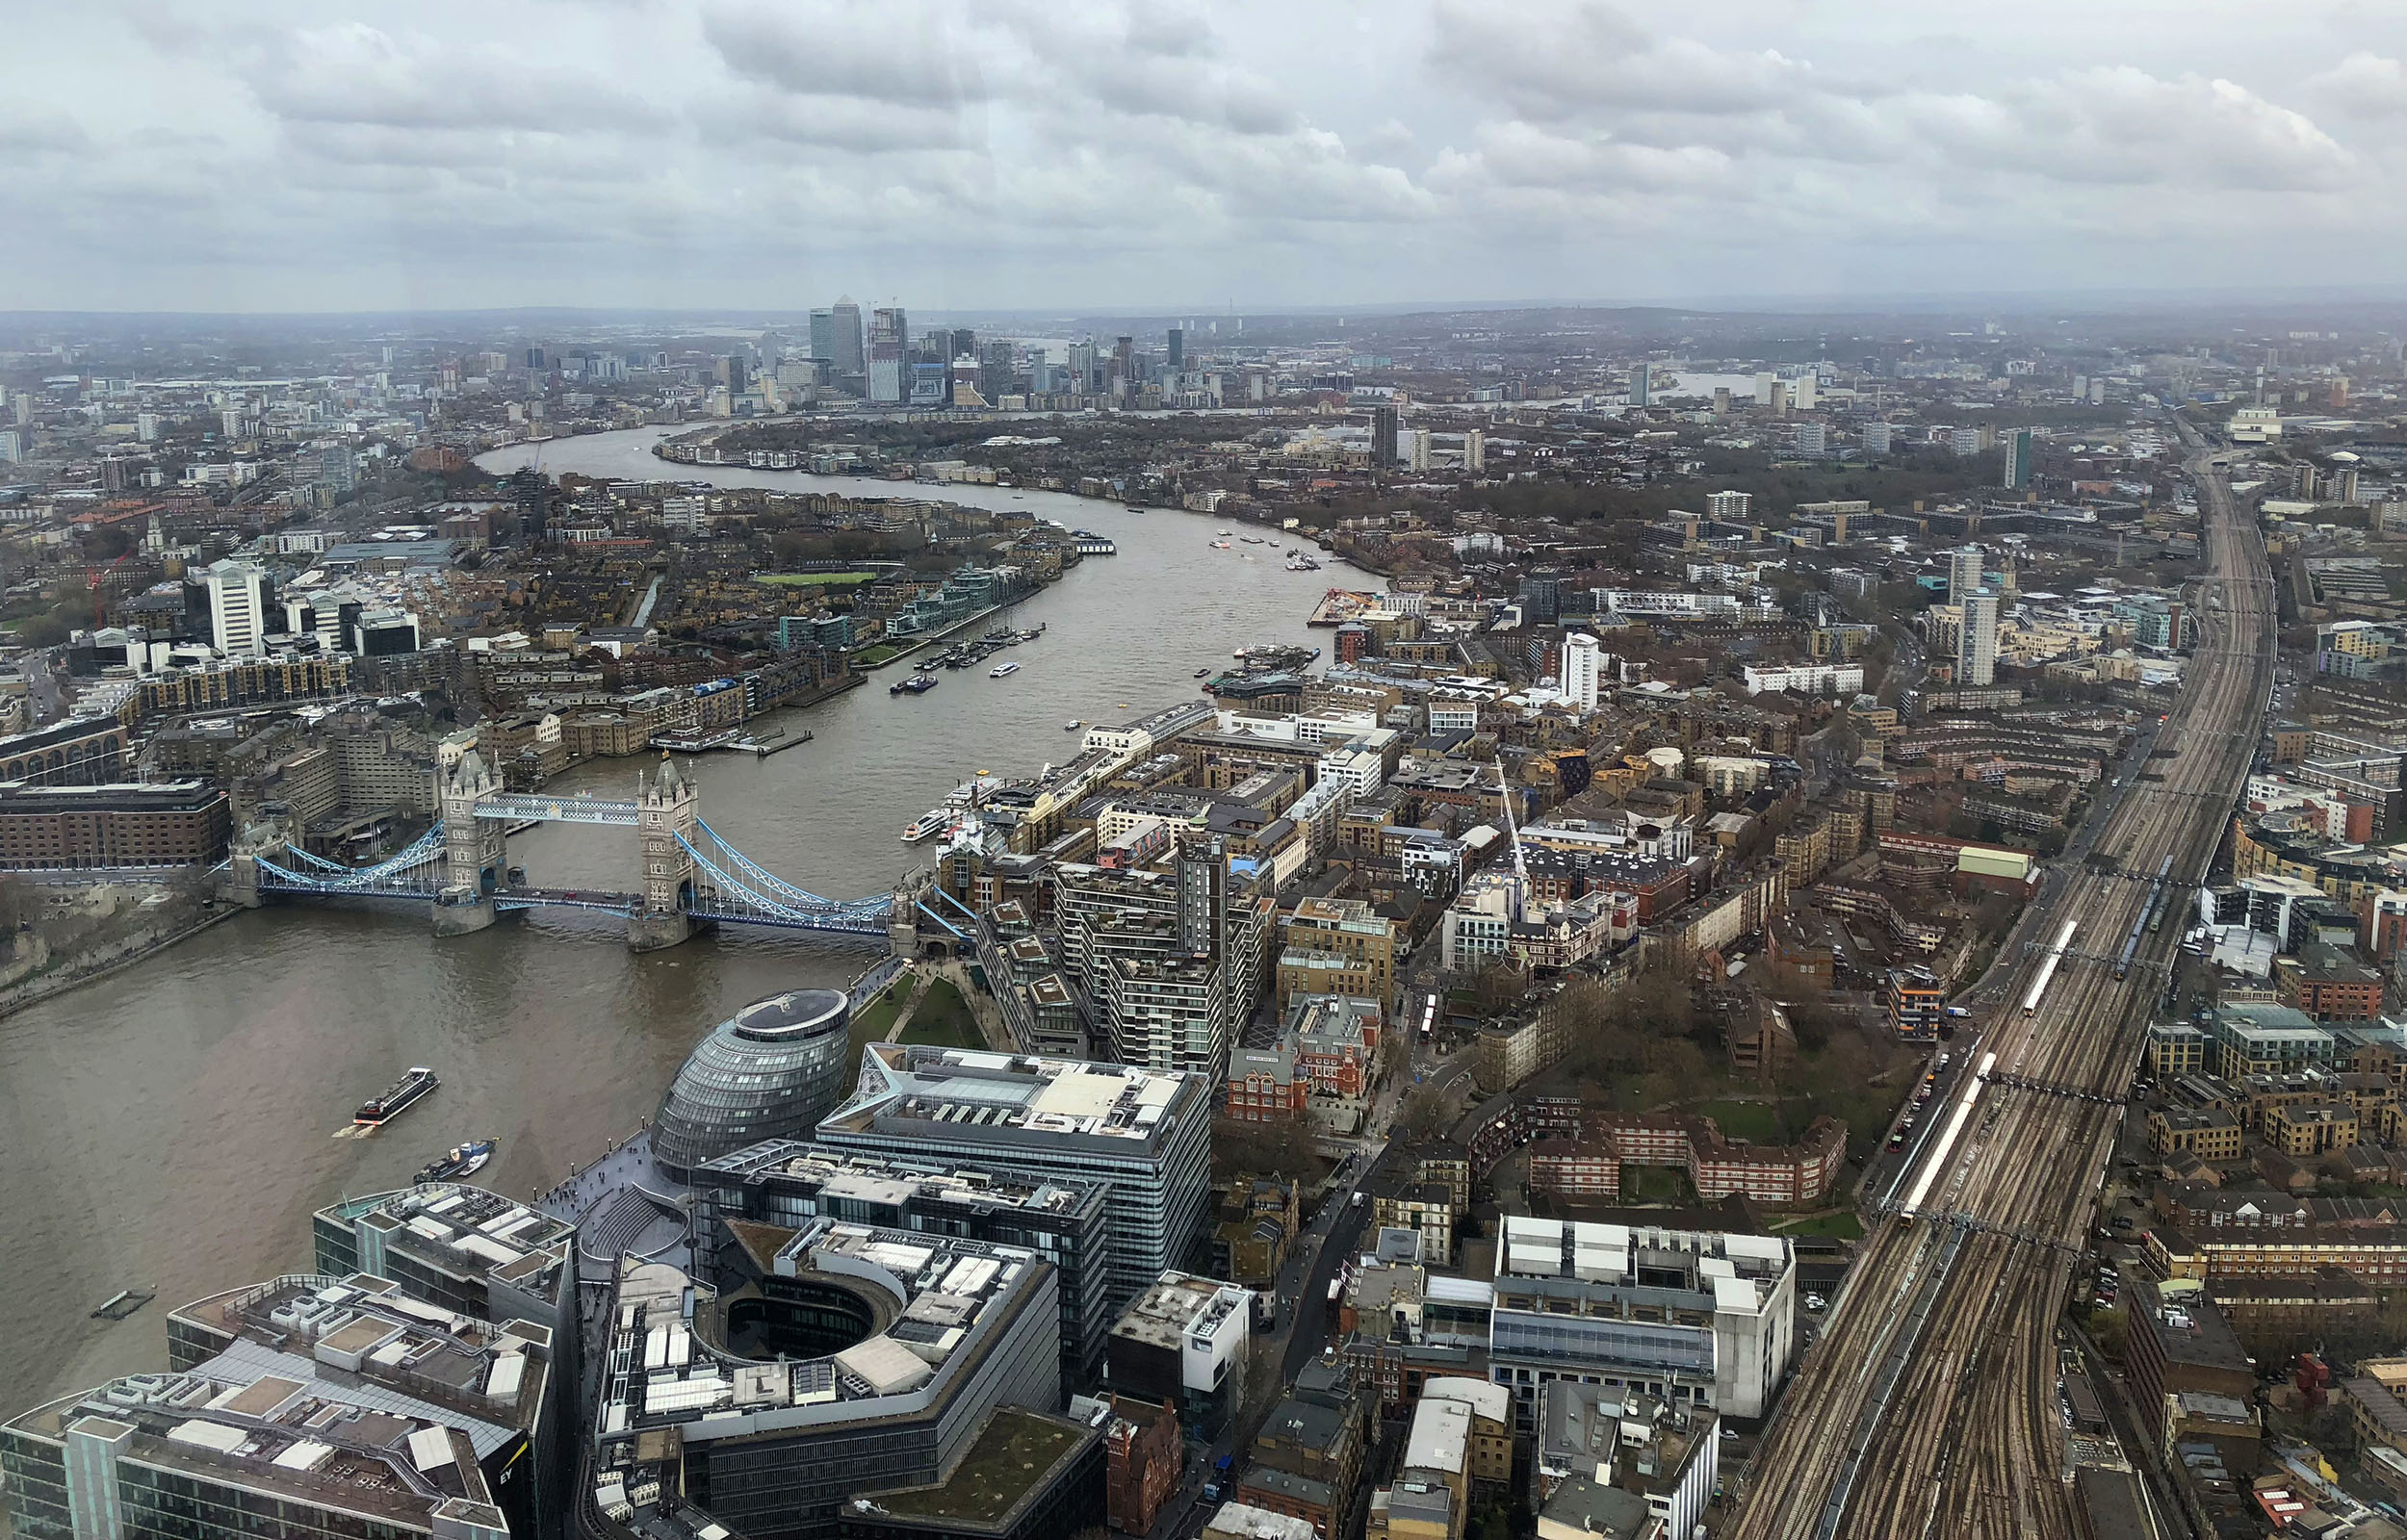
x=1929 y=1406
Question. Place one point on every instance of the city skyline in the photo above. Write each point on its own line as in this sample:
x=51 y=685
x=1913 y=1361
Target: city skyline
x=727 y=154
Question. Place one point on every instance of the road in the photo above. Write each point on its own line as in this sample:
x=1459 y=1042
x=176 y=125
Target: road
x=1929 y=1406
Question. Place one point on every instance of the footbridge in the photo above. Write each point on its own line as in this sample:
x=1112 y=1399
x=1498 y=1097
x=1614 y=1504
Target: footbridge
x=687 y=876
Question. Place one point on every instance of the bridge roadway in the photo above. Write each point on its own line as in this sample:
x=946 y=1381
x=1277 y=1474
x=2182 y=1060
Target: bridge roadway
x=1928 y=1407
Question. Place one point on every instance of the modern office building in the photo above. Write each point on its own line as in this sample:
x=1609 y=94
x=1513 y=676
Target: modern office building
x=887 y=332
x=1591 y=1439
x=853 y=1359
x=1025 y=1476
x=1145 y=1134
x=1184 y=1342
x=787 y=1183
x=238 y=608
x=772 y=1071
x=463 y=1250
x=845 y=350
x=1694 y=1318
x=302 y=1409
x=1384 y=430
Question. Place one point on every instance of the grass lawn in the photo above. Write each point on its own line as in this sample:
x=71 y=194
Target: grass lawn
x=871 y=1022
x=1757 y=1121
x=812 y=580
x=1642 y=1185
x=872 y=656
x=1836 y=1226
x=943 y=1019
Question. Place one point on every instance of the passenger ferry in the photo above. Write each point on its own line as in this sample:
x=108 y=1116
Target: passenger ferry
x=1072 y=725
x=1002 y=671
x=396 y=1100
x=926 y=824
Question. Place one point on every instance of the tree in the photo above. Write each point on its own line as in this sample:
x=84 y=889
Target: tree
x=1283 y=1149
x=1428 y=1112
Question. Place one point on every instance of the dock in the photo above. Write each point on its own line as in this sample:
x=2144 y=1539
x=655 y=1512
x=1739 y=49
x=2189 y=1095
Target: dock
x=123 y=1304
x=1339 y=606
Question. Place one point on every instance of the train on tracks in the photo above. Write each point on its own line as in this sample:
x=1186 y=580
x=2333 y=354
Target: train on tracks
x=2046 y=969
x=2148 y=921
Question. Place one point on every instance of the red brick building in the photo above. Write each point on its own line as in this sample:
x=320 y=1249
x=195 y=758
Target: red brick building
x=1266 y=1085
x=1142 y=1456
x=1788 y=1175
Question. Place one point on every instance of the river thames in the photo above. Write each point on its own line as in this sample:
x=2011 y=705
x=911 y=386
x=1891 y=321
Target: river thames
x=171 y=1126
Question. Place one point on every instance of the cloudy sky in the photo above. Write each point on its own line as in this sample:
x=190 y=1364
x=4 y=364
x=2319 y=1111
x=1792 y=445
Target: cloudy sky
x=263 y=156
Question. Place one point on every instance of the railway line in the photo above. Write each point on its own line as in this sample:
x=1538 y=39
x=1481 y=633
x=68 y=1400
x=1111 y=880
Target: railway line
x=1928 y=1407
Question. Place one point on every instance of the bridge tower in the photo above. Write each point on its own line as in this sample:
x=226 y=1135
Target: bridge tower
x=251 y=844
x=475 y=859
x=667 y=809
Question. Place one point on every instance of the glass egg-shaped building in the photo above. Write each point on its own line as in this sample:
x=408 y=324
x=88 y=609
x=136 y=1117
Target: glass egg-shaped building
x=770 y=1071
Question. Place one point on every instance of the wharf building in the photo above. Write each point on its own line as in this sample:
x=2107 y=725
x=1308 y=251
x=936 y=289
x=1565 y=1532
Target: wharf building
x=788 y=1184
x=1697 y=1320
x=772 y=1071
x=853 y=1360
x=299 y=1409
x=1145 y=1135
x=67 y=828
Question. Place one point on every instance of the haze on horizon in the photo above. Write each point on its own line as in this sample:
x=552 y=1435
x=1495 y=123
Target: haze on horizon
x=259 y=154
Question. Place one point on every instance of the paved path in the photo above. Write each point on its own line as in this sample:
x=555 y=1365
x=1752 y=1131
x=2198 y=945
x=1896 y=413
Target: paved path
x=920 y=983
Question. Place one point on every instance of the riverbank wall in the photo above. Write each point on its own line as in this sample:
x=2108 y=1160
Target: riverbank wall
x=99 y=963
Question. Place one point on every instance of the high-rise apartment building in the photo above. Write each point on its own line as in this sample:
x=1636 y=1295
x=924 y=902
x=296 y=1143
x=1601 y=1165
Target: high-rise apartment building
x=1475 y=451
x=1963 y=572
x=1583 y=670
x=238 y=608
x=1174 y=962
x=2015 y=473
x=1642 y=384
x=1384 y=430
x=1082 y=380
x=1876 y=436
x=1729 y=507
x=1420 y=450
x=1977 y=641
x=1146 y=1135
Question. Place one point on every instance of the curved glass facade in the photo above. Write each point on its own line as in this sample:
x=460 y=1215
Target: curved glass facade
x=770 y=1071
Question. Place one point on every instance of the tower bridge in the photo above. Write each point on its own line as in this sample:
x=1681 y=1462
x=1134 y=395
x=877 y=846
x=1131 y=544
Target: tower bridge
x=686 y=876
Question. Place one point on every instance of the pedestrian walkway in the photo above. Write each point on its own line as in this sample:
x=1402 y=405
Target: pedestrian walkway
x=920 y=983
